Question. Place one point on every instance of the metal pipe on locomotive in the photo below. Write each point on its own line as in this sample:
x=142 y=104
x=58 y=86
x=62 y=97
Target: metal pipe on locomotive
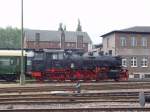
x=62 y=65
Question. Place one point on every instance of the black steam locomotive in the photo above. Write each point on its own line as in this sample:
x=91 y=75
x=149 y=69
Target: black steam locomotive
x=73 y=65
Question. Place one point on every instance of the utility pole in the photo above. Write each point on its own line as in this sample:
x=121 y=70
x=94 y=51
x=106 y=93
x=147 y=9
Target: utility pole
x=22 y=75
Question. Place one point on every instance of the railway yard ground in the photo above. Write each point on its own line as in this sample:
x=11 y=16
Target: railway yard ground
x=104 y=96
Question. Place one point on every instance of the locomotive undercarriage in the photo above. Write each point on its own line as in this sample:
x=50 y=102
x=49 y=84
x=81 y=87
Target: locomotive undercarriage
x=97 y=74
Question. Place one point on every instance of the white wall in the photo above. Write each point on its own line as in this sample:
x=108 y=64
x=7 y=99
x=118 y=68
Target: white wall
x=111 y=43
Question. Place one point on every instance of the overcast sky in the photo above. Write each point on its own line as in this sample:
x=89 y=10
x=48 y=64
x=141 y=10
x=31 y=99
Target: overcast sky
x=96 y=16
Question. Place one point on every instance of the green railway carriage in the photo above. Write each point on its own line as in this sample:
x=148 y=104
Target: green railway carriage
x=10 y=63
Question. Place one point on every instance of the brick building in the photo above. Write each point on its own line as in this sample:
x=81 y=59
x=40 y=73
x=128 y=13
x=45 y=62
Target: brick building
x=133 y=44
x=61 y=39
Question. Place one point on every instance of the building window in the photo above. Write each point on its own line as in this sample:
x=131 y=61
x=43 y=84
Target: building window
x=79 y=41
x=136 y=75
x=123 y=41
x=84 y=45
x=107 y=42
x=133 y=42
x=133 y=61
x=144 y=62
x=147 y=76
x=71 y=45
x=110 y=52
x=68 y=44
x=144 y=42
x=37 y=37
x=124 y=62
x=101 y=53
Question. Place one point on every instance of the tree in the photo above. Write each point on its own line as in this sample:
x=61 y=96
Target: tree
x=10 y=37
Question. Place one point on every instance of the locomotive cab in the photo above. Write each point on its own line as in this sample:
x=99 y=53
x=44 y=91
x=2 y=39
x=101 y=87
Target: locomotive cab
x=54 y=64
x=38 y=64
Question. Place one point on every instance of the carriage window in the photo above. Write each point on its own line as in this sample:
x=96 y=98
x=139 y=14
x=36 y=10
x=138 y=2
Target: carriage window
x=4 y=61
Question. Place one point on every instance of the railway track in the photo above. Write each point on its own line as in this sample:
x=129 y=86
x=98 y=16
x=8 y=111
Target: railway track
x=34 y=99
x=121 y=109
x=34 y=102
x=82 y=81
x=71 y=99
x=71 y=87
x=63 y=103
x=94 y=97
x=84 y=93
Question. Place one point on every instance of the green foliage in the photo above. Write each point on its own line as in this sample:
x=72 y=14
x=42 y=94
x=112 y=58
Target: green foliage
x=10 y=37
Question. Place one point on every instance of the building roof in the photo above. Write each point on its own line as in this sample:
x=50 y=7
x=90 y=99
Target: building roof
x=135 y=29
x=49 y=35
x=12 y=53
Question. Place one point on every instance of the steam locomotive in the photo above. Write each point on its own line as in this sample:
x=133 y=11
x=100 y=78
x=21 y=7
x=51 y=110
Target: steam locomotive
x=62 y=65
